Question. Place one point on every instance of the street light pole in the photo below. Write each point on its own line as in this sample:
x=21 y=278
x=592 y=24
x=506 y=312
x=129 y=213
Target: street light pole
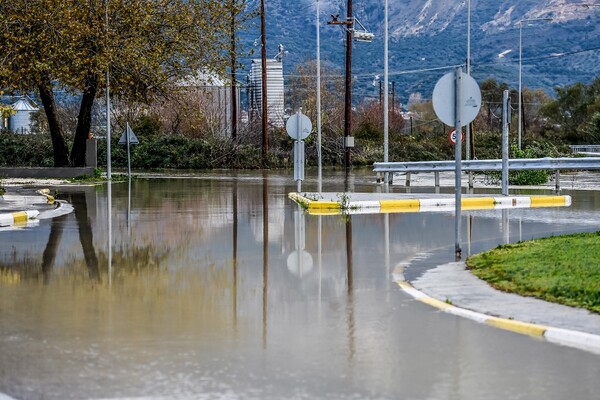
x=385 y=96
x=263 y=53
x=468 y=127
x=520 y=71
x=108 y=156
x=320 y=165
x=520 y=80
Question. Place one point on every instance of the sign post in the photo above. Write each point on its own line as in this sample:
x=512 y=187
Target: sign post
x=505 y=128
x=128 y=138
x=456 y=101
x=298 y=127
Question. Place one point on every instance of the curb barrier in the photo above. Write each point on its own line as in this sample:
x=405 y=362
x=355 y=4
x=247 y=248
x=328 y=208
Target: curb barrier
x=46 y=193
x=329 y=207
x=580 y=340
x=18 y=217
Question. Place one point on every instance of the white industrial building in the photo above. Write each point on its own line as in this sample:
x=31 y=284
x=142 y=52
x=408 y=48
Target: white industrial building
x=275 y=105
x=20 y=121
x=214 y=97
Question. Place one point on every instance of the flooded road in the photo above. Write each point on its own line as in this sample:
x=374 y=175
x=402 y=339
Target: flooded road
x=218 y=287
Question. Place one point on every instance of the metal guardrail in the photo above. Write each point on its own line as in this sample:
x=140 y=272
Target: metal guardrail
x=520 y=164
x=517 y=164
x=585 y=148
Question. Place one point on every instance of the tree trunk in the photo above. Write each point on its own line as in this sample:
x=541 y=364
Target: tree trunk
x=59 y=147
x=84 y=122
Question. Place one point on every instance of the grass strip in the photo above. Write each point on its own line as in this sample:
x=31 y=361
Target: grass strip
x=562 y=269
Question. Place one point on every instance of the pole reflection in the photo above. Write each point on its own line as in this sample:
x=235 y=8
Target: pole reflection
x=265 y=198
x=505 y=226
x=350 y=281
x=234 y=195
x=109 y=221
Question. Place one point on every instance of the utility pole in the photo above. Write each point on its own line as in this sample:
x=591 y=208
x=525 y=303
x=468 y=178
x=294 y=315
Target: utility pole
x=263 y=40
x=348 y=101
x=349 y=25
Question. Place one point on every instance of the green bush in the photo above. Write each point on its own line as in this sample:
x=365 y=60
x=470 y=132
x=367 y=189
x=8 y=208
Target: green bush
x=25 y=150
x=523 y=178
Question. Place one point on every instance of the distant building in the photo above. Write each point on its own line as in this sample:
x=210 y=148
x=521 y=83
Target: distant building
x=21 y=121
x=275 y=87
x=213 y=95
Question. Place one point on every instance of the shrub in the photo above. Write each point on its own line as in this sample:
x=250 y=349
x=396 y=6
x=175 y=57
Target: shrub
x=25 y=150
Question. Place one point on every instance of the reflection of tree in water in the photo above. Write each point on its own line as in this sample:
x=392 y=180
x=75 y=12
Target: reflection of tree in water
x=93 y=265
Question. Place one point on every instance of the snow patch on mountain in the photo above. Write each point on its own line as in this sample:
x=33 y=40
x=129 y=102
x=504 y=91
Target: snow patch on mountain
x=501 y=20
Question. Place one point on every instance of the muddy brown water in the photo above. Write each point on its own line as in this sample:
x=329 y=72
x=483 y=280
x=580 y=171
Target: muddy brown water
x=214 y=291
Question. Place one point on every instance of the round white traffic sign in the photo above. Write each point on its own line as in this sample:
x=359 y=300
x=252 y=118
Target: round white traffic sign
x=444 y=95
x=298 y=126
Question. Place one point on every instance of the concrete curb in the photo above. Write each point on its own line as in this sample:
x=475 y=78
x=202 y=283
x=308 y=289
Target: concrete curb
x=18 y=217
x=580 y=340
x=346 y=205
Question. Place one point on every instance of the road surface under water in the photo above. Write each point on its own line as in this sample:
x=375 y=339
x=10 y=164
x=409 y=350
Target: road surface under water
x=218 y=287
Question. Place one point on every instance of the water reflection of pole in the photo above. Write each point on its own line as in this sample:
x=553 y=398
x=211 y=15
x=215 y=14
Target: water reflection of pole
x=386 y=235
x=109 y=212
x=265 y=256
x=351 y=344
x=469 y=234
x=505 y=226
x=320 y=259
x=129 y=206
x=235 y=249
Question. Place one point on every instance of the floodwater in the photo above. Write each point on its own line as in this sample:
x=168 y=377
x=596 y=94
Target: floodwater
x=218 y=287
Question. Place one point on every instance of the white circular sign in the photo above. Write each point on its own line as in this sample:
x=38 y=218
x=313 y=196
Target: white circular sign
x=444 y=94
x=298 y=126
x=452 y=136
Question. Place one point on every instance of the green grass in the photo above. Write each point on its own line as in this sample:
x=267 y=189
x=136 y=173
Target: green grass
x=564 y=269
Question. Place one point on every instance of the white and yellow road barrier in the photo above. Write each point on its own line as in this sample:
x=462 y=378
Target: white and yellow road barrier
x=369 y=203
x=18 y=217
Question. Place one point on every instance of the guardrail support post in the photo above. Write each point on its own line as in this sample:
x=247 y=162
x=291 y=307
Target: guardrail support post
x=557 y=177
x=408 y=179
x=436 y=176
x=505 y=129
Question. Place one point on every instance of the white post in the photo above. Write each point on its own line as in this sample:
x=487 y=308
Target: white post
x=320 y=176
x=299 y=133
x=468 y=127
x=457 y=156
x=520 y=83
x=385 y=96
x=108 y=160
x=505 y=122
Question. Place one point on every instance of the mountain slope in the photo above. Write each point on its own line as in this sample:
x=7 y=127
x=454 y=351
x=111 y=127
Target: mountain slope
x=430 y=34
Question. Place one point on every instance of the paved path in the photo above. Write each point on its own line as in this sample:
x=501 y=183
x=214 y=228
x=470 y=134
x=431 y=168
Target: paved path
x=452 y=288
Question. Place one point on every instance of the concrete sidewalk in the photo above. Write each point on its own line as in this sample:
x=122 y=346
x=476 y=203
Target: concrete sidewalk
x=453 y=289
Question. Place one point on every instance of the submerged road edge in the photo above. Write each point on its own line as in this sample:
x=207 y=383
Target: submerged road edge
x=566 y=337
